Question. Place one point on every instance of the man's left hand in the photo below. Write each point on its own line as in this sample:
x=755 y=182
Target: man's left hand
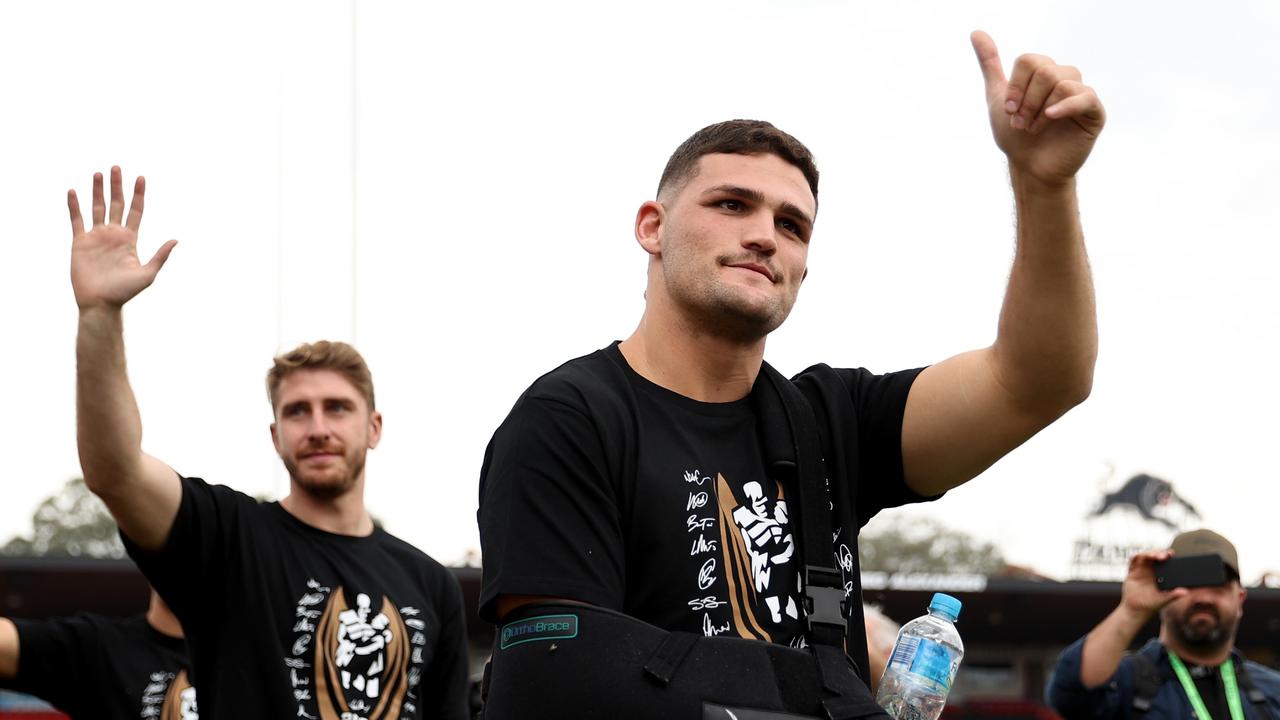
x=1043 y=117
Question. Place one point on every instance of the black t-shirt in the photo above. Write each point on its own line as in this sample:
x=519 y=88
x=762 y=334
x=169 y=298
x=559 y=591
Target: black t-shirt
x=90 y=666
x=1208 y=682
x=603 y=487
x=288 y=621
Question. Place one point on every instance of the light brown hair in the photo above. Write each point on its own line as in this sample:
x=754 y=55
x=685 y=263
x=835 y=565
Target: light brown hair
x=322 y=355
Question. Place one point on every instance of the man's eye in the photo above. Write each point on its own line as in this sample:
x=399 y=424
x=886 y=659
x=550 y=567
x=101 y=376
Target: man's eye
x=731 y=205
x=294 y=411
x=789 y=226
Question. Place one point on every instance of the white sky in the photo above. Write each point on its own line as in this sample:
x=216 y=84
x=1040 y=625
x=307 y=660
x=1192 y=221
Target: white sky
x=488 y=160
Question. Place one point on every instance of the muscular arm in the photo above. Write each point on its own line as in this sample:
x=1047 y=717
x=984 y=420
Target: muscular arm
x=141 y=492
x=8 y=649
x=966 y=412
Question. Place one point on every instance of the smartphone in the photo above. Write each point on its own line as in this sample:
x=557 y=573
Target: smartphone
x=1190 y=571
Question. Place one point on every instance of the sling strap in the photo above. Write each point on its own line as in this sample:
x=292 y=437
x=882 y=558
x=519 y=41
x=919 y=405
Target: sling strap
x=791 y=442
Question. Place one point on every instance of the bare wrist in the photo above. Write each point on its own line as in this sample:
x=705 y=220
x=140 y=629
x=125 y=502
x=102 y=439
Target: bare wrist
x=1027 y=185
x=1134 y=617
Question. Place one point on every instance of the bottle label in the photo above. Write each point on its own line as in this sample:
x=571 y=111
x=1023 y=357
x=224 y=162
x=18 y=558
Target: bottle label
x=926 y=658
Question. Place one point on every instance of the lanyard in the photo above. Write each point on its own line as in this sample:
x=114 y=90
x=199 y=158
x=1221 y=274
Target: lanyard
x=1228 y=684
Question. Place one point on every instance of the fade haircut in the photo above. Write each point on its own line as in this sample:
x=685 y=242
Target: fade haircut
x=739 y=137
x=322 y=355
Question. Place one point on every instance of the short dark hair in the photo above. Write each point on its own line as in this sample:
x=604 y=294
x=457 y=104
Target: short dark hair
x=739 y=137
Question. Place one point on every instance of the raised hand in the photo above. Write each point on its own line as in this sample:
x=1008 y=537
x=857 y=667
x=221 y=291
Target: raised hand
x=105 y=269
x=1139 y=592
x=1043 y=117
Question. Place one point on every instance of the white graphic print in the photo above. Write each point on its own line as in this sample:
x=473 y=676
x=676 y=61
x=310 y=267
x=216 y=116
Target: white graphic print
x=694 y=477
x=153 y=694
x=355 y=662
x=169 y=697
x=845 y=556
x=361 y=645
x=187 y=705
x=704 y=540
x=705 y=576
x=769 y=543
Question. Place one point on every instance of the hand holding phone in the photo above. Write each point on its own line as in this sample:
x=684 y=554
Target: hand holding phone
x=1190 y=571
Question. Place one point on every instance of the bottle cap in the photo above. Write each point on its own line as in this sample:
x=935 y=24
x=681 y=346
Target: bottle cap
x=945 y=605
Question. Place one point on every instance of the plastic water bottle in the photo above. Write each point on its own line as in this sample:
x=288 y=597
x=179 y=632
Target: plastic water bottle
x=924 y=662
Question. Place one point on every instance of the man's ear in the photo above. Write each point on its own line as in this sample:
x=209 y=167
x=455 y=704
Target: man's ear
x=375 y=429
x=275 y=437
x=649 y=221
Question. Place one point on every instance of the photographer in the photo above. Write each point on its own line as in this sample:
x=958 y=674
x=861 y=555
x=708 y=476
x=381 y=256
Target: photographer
x=1192 y=669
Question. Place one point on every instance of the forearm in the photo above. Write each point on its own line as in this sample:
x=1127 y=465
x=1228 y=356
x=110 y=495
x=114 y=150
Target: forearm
x=1048 y=336
x=108 y=426
x=1106 y=644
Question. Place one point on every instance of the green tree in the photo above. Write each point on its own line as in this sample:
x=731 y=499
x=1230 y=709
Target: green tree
x=926 y=545
x=70 y=523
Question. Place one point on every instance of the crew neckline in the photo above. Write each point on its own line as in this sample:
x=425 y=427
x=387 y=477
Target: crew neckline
x=305 y=527
x=731 y=408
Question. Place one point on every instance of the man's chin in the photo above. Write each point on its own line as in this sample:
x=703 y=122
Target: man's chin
x=1204 y=635
x=743 y=320
x=324 y=488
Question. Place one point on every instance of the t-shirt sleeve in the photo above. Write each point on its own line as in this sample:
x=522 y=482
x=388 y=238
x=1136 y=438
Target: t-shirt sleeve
x=56 y=659
x=548 y=514
x=864 y=413
x=445 y=684
x=191 y=568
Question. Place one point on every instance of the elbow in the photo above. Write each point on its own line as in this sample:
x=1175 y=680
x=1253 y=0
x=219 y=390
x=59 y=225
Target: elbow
x=106 y=478
x=1059 y=387
x=1079 y=389
x=96 y=481
x=1048 y=397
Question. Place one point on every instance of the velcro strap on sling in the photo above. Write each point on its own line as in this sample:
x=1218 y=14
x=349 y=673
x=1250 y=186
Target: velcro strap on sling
x=665 y=661
x=840 y=677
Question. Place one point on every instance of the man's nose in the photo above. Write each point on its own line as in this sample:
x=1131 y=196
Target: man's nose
x=319 y=429
x=761 y=234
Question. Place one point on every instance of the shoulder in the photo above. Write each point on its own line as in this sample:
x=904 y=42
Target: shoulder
x=1267 y=679
x=83 y=630
x=429 y=574
x=404 y=554
x=196 y=490
x=1152 y=650
x=582 y=381
x=586 y=395
x=824 y=380
x=402 y=550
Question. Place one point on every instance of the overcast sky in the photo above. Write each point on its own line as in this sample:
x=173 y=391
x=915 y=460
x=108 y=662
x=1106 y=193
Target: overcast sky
x=452 y=187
